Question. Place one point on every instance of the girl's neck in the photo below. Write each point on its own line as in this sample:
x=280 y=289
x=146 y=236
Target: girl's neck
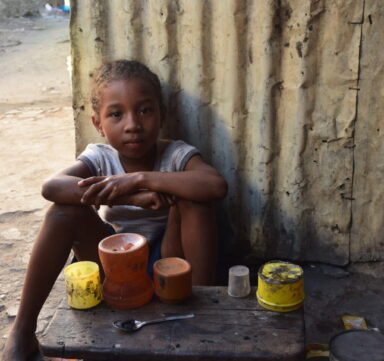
x=146 y=163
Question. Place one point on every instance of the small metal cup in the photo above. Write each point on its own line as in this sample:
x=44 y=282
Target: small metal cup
x=238 y=281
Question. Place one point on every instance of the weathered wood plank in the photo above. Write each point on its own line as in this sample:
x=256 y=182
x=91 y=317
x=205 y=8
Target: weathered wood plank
x=224 y=328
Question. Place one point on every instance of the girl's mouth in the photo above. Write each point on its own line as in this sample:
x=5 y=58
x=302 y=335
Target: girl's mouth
x=133 y=144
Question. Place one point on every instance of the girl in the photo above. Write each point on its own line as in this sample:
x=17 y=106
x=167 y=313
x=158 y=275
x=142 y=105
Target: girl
x=159 y=188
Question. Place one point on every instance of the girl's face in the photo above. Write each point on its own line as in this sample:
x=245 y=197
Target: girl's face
x=130 y=118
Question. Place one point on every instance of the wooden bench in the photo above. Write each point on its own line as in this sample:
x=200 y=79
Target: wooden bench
x=224 y=328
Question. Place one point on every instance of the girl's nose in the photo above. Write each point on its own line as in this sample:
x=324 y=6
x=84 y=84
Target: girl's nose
x=132 y=123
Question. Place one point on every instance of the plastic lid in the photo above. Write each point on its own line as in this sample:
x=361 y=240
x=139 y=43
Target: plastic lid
x=172 y=266
x=280 y=272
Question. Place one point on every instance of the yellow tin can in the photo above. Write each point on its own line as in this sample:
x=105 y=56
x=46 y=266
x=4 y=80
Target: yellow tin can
x=82 y=281
x=280 y=286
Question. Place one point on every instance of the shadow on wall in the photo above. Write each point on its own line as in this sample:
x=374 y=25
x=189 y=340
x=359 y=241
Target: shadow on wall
x=246 y=208
x=195 y=122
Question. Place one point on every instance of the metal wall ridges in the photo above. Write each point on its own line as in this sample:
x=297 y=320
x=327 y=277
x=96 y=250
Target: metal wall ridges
x=267 y=91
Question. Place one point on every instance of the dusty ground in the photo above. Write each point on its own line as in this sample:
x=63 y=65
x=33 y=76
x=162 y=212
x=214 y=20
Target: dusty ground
x=37 y=138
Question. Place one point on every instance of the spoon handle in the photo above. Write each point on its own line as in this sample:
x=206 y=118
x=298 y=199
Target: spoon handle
x=169 y=318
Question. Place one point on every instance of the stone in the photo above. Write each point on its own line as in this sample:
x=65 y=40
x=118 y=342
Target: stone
x=11 y=233
x=12 y=311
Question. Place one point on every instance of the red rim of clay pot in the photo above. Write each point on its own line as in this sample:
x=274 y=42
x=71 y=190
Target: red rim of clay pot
x=187 y=267
x=139 y=241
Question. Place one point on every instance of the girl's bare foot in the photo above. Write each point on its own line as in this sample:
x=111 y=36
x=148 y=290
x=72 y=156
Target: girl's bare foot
x=21 y=346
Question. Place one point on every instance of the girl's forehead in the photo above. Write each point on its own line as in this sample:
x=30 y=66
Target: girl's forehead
x=132 y=86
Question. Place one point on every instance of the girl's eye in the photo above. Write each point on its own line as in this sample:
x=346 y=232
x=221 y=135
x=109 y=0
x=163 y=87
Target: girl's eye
x=115 y=114
x=145 y=110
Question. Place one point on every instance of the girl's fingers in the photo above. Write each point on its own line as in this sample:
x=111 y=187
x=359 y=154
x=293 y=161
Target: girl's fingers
x=112 y=196
x=103 y=195
x=166 y=199
x=92 y=191
x=171 y=200
x=90 y=181
x=160 y=198
x=163 y=200
x=155 y=201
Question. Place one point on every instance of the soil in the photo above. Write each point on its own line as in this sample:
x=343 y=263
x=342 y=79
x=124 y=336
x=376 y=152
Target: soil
x=38 y=138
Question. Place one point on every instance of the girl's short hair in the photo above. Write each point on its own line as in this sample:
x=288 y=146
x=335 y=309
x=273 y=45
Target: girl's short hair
x=121 y=70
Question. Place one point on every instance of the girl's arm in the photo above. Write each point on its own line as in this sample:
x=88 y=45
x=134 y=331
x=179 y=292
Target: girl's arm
x=199 y=182
x=63 y=187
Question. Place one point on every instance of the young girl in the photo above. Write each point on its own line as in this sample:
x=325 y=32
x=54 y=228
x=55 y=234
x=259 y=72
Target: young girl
x=159 y=188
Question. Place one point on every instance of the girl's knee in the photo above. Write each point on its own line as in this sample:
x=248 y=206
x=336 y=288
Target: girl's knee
x=67 y=213
x=190 y=213
x=195 y=207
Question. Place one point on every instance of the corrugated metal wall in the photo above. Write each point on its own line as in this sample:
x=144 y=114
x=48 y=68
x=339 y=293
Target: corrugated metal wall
x=284 y=97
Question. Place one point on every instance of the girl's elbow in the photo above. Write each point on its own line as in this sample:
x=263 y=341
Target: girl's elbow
x=46 y=189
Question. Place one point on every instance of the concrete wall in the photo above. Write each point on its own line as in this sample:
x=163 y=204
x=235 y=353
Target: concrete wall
x=284 y=97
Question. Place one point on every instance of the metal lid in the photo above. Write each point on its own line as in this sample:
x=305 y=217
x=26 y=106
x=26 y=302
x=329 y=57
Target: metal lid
x=358 y=345
x=280 y=272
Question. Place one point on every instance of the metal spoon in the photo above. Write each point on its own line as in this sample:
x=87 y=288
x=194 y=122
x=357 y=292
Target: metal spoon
x=134 y=325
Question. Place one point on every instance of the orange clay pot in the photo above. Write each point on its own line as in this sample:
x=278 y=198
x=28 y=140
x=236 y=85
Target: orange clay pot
x=173 y=279
x=124 y=257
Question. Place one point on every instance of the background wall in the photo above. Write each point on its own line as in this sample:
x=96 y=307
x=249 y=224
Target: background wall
x=284 y=97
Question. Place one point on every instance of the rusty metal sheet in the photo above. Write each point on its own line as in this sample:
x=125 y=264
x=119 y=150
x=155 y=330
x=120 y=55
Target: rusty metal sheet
x=267 y=90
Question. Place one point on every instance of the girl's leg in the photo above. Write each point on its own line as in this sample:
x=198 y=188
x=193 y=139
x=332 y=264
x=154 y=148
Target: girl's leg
x=64 y=227
x=192 y=234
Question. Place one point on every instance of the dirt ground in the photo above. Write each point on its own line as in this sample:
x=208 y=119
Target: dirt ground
x=37 y=138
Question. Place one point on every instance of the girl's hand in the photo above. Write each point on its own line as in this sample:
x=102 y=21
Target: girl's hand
x=104 y=190
x=150 y=200
x=113 y=190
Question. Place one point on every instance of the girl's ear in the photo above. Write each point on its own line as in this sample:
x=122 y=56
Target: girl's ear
x=97 y=125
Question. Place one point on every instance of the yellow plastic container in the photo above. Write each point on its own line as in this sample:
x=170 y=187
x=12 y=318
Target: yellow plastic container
x=280 y=286
x=82 y=280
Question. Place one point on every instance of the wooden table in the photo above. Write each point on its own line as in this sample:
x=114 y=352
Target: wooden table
x=224 y=328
